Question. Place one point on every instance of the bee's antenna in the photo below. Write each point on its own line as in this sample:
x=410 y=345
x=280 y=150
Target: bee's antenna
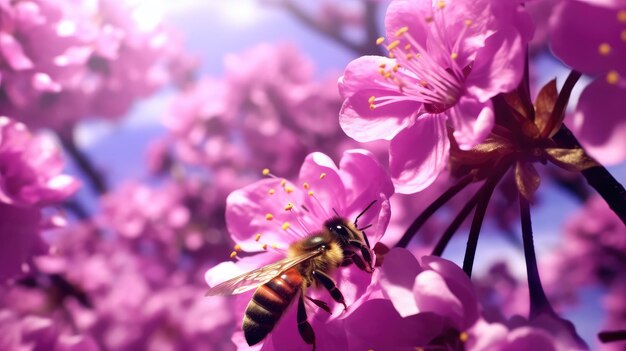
x=363 y=212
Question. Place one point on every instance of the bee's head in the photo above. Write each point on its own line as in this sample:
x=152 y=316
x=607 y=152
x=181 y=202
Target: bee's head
x=340 y=228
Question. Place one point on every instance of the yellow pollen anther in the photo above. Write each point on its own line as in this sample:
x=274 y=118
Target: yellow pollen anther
x=233 y=254
x=289 y=207
x=371 y=99
x=237 y=247
x=419 y=349
x=463 y=337
x=372 y=107
x=382 y=65
x=285 y=226
x=269 y=216
x=322 y=175
x=423 y=83
x=623 y=35
x=306 y=185
x=396 y=68
x=257 y=237
x=410 y=56
x=454 y=55
x=381 y=71
x=604 y=49
x=264 y=246
x=621 y=16
x=391 y=55
x=311 y=193
x=283 y=182
x=407 y=47
x=388 y=75
x=394 y=44
x=401 y=31
x=441 y=4
x=468 y=22
x=266 y=171
x=612 y=77
x=380 y=40
x=271 y=192
x=289 y=189
x=274 y=246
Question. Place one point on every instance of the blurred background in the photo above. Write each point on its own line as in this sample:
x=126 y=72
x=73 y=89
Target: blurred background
x=229 y=88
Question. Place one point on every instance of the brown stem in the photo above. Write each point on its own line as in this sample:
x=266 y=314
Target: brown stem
x=93 y=176
x=481 y=208
x=456 y=223
x=538 y=301
x=612 y=335
x=432 y=208
x=598 y=177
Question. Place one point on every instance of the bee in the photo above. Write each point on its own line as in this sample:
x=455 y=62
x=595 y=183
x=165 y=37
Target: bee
x=309 y=263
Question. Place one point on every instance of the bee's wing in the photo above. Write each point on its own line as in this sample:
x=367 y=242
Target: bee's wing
x=259 y=276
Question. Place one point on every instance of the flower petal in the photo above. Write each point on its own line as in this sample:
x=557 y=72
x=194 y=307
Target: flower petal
x=418 y=154
x=498 y=66
x=599 y=122
x=472 y=121
x=399 y=271
x=360 y=82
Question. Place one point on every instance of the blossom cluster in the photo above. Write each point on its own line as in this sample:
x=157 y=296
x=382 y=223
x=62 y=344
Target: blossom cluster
x=325 y=205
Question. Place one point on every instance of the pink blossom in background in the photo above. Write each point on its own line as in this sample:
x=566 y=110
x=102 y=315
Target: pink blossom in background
x=30 y=178
x=322 y=188
x=63 y=65
x=598 y=51
x=448 y=60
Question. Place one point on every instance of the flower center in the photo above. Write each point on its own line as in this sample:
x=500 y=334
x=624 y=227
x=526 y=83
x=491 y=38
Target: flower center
x=433 y=77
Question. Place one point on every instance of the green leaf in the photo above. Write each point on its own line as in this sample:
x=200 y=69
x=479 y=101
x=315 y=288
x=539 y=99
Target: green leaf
x=575 y=160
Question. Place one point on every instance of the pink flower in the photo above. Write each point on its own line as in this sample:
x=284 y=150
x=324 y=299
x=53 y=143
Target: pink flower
x=30 y=178
x=271 y=214
x=447 y=61
x=599 y=51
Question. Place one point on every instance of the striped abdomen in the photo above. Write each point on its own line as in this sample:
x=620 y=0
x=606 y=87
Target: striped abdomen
x=268 y=304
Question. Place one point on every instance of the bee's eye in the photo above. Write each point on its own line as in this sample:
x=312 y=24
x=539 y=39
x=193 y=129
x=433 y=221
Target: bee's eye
x=340 y=230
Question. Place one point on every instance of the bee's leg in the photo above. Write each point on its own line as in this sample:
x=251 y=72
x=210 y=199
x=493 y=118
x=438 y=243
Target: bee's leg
x=365 y=252
x=304 y=327
x=319 y=303
x=347 y=258
x=360 y=263
x=331 y=286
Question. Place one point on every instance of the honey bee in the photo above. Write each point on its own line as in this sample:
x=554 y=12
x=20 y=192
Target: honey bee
x=309 y=262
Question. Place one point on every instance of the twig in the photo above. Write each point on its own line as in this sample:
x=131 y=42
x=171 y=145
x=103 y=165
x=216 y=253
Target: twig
x=93 y=176
x=432 y=208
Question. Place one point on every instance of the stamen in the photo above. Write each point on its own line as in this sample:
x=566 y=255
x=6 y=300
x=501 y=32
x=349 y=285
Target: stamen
x=463 y=337
x=289 y=189
x=380 y=40
x=237 y=247
x=407 y=47
x=257 y=237
x=623 y=35
x=285 y=226
x=604 y=49
x=621 y=16
x=233 y=254
x=311 y=193
x=454 y=55
x=441 y=4
x=264 y=246
x=269 y=216
x=468 y=22
x=382 y=66
x=306 y=185
x=322 y=175
x=612 y=77
x=271 y=192
x=401 y=31
x=283 y=182
x=266 y=171
x=394 y=44
x=289 y=207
